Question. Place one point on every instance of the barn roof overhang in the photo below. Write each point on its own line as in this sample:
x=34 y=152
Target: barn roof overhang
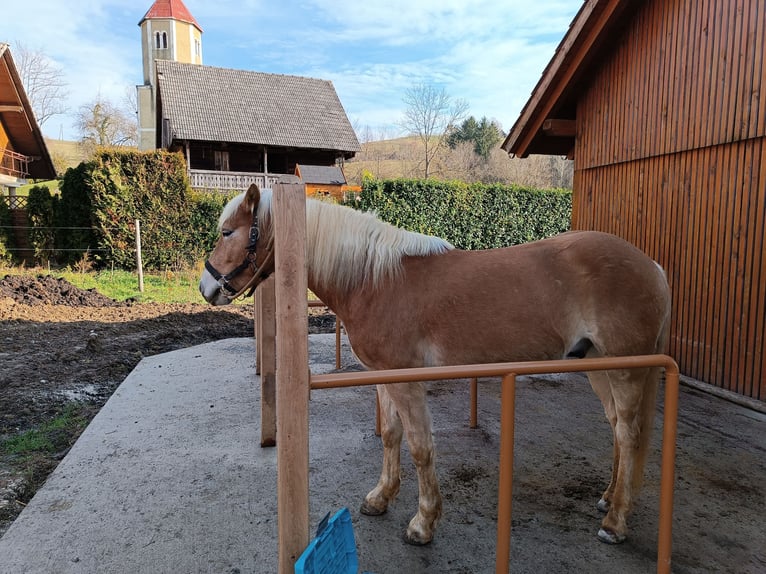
x=18 y=119
x=547 y=123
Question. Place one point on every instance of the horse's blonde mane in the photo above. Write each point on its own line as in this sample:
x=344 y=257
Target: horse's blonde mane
x=346 y=247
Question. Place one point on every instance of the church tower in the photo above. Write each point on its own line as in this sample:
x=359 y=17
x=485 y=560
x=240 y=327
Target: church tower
x=168 y=32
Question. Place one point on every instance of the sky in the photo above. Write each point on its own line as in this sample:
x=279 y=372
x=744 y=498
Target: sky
x=490 y=54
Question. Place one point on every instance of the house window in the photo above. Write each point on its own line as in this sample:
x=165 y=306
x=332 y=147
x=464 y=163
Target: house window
x=221 y=160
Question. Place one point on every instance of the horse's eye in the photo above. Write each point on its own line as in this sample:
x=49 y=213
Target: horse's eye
x=226 y=232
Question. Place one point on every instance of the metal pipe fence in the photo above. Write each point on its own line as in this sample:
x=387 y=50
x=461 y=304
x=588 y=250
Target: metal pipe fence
x=509 y=372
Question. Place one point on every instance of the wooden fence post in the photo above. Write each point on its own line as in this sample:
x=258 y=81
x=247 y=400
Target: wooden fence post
x=289 y=205
x=267 y=353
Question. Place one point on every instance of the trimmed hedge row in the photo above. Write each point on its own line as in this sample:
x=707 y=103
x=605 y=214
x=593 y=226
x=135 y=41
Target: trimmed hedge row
x=101 y=199
x=470 y=216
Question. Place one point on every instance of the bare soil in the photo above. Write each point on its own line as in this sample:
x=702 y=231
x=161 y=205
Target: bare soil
x=63 y=348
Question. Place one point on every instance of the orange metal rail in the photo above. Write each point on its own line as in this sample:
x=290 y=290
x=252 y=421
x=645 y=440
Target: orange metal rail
x=509 y=372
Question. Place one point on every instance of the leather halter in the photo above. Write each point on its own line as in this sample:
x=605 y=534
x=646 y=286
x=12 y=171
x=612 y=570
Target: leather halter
x=248 y=262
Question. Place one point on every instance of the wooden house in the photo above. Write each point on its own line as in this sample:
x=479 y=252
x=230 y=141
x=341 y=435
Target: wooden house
x=661 y=105
x=23 y=153
x=237 y=127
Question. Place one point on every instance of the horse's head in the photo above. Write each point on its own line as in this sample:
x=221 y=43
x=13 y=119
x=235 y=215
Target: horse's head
x=243 y=256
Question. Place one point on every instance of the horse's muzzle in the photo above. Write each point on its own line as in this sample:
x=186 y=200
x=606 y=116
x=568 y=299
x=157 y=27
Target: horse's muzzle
x=211 y=290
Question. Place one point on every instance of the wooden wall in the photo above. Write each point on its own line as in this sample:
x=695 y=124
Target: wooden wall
x=671 y=155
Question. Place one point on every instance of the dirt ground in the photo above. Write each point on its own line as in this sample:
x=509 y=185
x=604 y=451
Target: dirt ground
x=60 y=345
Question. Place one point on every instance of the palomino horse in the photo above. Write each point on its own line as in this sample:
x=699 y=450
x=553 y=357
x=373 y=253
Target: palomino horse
x=412 y=300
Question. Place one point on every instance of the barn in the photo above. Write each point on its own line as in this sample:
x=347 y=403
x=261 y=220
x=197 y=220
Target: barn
x=660 y=105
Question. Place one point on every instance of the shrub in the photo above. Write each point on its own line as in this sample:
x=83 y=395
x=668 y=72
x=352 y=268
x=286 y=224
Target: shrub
x=470 y=216
x=6 y=233
x=40 y=216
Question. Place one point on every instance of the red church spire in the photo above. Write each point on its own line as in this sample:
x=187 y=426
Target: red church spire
x=174 y=9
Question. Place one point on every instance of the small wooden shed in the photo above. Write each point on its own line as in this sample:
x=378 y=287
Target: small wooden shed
x=661 y=105
x=324 y=180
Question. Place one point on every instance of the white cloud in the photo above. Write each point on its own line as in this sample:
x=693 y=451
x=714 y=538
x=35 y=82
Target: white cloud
x=488 y=53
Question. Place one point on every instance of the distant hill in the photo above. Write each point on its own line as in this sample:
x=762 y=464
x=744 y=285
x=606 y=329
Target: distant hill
x=404 y=158
x=65 y=154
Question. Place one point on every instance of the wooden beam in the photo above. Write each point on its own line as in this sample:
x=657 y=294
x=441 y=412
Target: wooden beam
x=11 y=108
x=560 y=128
x=289 y=205
x=266 y=360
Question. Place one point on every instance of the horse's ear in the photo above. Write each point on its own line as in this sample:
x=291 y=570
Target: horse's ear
x=252 y=196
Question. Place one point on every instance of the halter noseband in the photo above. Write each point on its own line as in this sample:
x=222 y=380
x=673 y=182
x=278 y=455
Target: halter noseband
x=248 y=262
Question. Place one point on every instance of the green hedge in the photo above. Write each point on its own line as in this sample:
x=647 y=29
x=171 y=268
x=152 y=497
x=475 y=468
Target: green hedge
x=40 y=216
x=470 y=216
x=102 y=199
x=6 y=233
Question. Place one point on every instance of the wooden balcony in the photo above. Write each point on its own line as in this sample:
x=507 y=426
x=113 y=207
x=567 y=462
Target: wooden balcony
x=208 y=180
x=14 y=164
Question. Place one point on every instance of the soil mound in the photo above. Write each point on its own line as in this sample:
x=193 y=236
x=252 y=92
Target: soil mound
x=46 y=289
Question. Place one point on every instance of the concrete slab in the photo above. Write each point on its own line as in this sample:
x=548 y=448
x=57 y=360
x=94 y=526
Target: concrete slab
x=169 y=477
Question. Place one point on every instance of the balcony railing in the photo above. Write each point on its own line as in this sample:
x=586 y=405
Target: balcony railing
x=14 y=164
x=209 y=180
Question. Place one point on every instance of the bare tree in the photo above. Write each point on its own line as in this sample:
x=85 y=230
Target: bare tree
x=101 y=123
x=431 y=114
x=43 y=82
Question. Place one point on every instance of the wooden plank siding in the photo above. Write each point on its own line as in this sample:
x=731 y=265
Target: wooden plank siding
x=710 y=244
x=671 y=155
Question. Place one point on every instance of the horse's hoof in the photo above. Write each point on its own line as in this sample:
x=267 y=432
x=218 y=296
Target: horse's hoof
x=610 y=537
x=370 y=510
x=603 y=505
x=415 y=539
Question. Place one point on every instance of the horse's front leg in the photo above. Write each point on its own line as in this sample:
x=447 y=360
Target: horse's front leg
x=410 y=399
x=376 y=502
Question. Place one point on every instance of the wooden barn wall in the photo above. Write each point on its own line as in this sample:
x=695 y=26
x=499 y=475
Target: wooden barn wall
x=669 y=155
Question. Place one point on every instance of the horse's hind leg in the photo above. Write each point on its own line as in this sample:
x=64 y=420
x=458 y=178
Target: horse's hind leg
x=376 y=501
x=410 y=399
x=599 y=381
x=634 y=394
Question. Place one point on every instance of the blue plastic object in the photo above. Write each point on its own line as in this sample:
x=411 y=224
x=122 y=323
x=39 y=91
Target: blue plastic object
x=333 y=551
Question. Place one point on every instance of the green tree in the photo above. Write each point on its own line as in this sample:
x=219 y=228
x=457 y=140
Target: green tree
x=484 y=135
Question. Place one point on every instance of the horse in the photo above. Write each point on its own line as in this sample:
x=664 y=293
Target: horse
x=412 y=300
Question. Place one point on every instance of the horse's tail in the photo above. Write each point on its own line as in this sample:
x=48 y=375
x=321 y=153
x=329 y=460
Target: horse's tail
x=649 y=402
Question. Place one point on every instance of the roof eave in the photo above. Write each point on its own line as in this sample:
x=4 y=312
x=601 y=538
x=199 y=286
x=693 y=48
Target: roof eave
x=46 y=169
x=553 y=98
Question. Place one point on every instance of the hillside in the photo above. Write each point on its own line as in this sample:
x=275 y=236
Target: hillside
x=404 y=157
x=65 y=154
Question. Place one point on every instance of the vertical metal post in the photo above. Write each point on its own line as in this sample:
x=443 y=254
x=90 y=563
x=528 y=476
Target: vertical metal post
x=505 y=487
x=289 y=205
x=669 y=428
x=139 y=264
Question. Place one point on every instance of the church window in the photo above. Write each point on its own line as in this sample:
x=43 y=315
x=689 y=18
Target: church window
x=161 y=40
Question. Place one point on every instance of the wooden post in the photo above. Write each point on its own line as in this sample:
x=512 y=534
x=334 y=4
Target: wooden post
x=289 y=205
x=257 y=328
x=267 y=350
x=138 y=257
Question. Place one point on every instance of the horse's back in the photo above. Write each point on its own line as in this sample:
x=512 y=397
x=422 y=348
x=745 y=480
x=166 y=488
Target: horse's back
x=538 y=300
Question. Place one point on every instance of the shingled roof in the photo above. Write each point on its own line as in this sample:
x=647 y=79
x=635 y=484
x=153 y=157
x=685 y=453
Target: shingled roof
x=206 y=103
x=321 y=174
